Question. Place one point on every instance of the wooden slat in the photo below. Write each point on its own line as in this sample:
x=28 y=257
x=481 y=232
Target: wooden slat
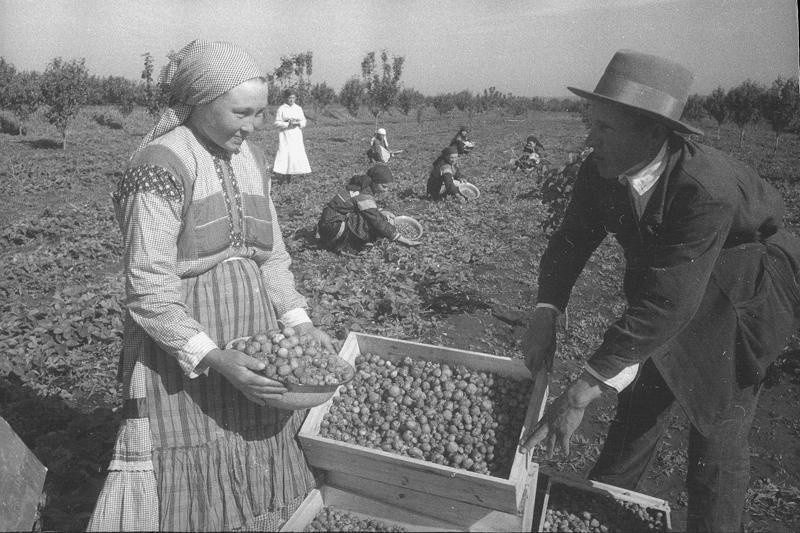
x=391 y=514
x=462 y=485
x=304 y=515
x=395 y=350
x=464 y=515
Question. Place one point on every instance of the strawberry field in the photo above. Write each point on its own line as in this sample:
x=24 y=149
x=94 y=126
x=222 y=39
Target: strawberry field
x=470 y=285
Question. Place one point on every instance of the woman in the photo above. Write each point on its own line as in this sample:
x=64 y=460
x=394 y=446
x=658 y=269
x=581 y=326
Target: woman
x=379 y=147
x=530 y=158
x=351 y=219
x=291 y=157
x=441 y=180
x=198 y=449
x=460 y=141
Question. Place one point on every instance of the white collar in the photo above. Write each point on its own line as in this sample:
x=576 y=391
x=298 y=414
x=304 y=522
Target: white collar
x=643 y=180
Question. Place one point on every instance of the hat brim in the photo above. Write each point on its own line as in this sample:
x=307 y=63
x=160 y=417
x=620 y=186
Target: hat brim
x=675 y=125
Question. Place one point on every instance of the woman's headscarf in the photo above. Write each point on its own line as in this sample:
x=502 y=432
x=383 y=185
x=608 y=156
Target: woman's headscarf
x=201 y=72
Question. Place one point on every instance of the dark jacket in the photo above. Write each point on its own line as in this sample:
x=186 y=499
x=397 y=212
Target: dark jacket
x=353 y=219
x=694 y=268
x=440 y=179
x=460 y=142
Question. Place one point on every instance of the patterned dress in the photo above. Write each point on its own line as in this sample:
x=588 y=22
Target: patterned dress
x=204 y=263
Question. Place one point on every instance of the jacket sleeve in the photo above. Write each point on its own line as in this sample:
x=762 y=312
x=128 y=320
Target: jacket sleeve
x=681 y=260
x=370 y=212
x=571 y=245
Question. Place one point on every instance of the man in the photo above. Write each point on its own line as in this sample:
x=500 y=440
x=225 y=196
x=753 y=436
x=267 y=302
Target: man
x=710 y=283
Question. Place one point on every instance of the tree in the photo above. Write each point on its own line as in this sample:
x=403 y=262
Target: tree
x=408 y=99
x=7 y=73
x=463 y=101
x=381 y=87
x=153 y=98
x=23 y=96
x=781 y=107
x=743 y=103
x=714 y=104
x=443 y=103
x=293 y=72
x=121 y=92
x=694 y=110
x=351 y=94
x=322 y=95
x=64 y=91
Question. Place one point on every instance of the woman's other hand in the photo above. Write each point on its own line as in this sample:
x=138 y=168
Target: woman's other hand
x=307 y=328
x=241 y=371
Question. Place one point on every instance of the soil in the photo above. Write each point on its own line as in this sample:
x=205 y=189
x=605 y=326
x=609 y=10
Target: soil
x=478 y=262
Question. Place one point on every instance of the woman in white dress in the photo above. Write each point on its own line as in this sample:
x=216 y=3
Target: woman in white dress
x=291 y=158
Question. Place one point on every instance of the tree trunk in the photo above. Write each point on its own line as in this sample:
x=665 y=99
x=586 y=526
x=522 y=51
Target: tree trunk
x=775 y=147
x=64 y=140
x=719 y=127
x=741 y=137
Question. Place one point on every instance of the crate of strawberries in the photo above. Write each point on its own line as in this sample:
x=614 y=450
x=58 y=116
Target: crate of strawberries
x=310 y=373
x=429 y=428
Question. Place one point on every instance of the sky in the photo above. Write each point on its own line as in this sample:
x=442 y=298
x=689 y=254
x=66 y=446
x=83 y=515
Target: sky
x=525 y=47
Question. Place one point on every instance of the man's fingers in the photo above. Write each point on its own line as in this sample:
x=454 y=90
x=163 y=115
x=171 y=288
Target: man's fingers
x=538 y=435
x=565 y=444
x=551 y=445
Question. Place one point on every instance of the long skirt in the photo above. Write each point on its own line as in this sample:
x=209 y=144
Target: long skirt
x=195 y=454
x=291 y=158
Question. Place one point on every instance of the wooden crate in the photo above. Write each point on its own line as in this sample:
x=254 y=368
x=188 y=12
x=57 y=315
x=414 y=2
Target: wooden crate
x=548 y=478
x=442 y=514
x=358 y=468
x=21 y=482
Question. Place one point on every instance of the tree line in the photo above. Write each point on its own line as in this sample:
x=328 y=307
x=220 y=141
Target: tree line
x=66 y=85
x=749 y=103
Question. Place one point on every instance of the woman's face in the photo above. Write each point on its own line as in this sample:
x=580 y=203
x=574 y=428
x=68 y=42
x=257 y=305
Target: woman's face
x=231 y=118
x=452 y=158
x=291 y=99
x=380 y=188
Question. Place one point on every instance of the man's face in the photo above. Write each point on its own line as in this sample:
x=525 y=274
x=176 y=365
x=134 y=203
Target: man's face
x=619 y=140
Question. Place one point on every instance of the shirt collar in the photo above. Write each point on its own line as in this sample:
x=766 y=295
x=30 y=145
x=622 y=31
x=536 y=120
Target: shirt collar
x=644 y=179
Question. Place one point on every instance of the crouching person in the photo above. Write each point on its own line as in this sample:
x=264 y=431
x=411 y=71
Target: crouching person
x=351 y=219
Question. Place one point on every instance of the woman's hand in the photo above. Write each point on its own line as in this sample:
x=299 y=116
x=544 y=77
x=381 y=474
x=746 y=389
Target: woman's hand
x=307 y=328
x=241 y=371
x=539 y=341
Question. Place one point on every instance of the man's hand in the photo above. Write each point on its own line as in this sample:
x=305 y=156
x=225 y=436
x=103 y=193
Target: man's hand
x=539 y=341
x=563 y=416
x=241 y=371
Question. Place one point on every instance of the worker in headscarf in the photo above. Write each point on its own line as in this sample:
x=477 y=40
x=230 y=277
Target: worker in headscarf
x=199 y=449
x=351 y=219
